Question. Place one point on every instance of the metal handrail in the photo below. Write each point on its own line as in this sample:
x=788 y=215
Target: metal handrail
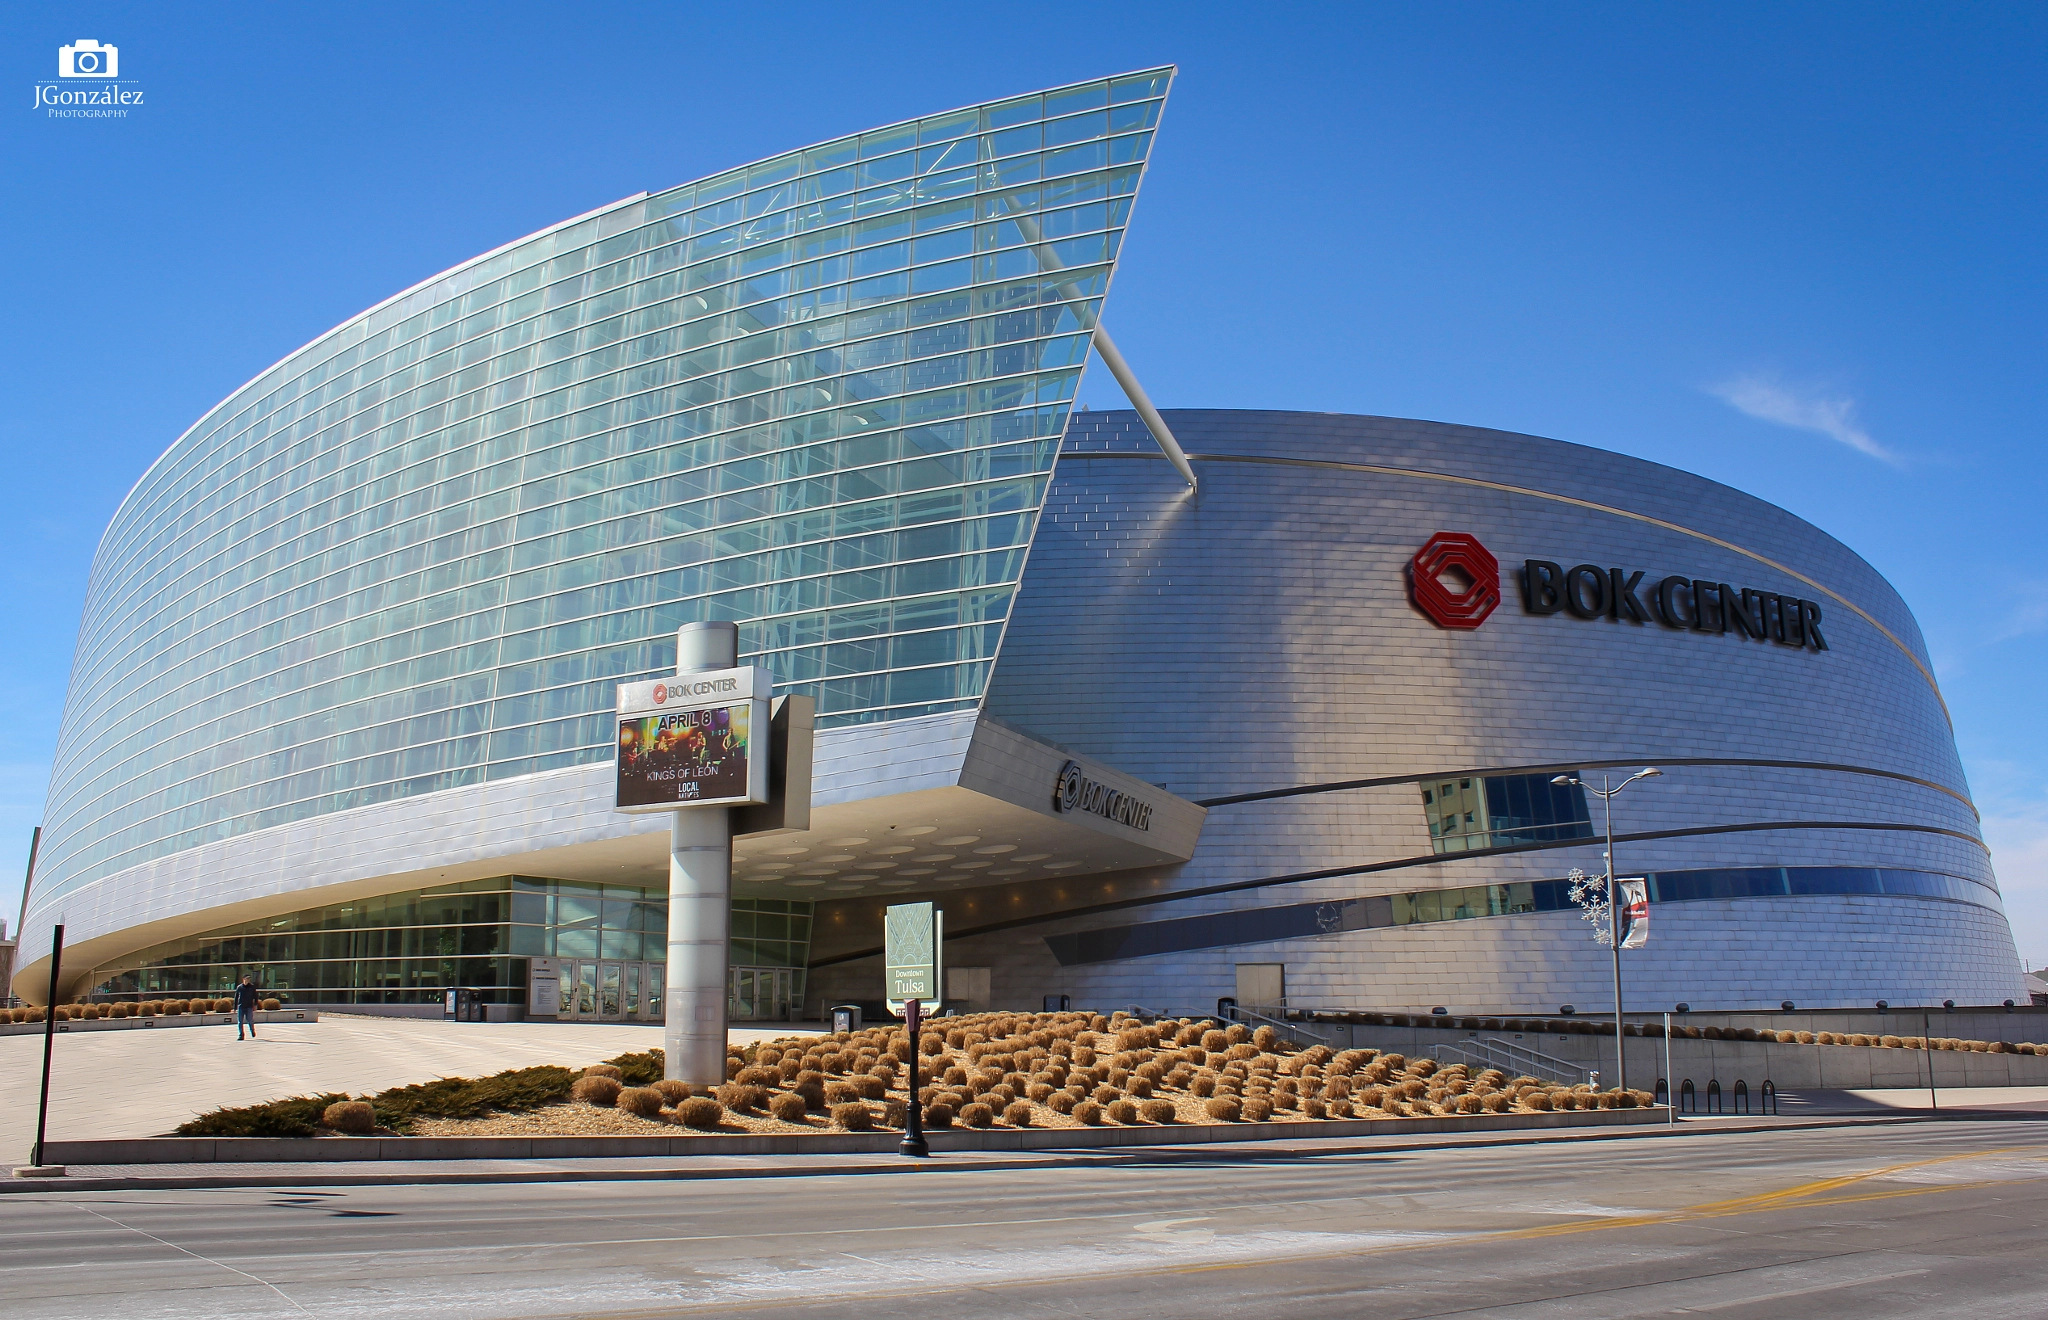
x=1294 y=1031
x=1496 y=1053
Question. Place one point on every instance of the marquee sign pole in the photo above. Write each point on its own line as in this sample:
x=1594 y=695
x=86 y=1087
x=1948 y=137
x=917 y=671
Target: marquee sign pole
x=699 y=901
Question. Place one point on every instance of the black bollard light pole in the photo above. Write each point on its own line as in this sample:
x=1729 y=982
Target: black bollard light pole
x=913 y=1119
x=49 y=1039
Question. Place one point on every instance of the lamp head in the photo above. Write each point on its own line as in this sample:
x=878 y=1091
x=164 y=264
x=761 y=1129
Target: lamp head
x=1562 y=780
x=1649 y=772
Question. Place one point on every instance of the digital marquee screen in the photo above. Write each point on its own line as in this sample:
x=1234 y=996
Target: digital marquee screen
x=683 y=757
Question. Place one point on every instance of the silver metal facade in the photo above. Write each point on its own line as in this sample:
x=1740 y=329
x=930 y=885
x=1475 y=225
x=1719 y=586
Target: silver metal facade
x=1259 y=635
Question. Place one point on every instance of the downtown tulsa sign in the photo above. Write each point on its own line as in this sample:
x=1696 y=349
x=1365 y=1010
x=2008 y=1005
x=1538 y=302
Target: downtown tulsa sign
x=1456 y=582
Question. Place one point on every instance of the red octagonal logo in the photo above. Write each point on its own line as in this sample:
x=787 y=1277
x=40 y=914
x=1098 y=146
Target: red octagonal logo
x=1454 y=580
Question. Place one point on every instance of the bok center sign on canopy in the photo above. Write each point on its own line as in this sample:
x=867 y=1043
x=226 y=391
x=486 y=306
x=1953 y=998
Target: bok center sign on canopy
x=691 y=740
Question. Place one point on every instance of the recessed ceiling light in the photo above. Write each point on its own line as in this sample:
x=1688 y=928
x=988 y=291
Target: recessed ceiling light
x=784 y=866
x=959 y=839
x=806 y=883
x=926 y=870
x=939 y=857
x=890 y=866
x=892 y=850
x=971 y=866
x=787 y=852
x=918 y=831
x=819 y=870
x=1056 y=866
x=997 y=848
x=1019 y=870
x=1030 y=857
x=834 y=857
x=899 y=883
x=846 y=843
x=844 y=889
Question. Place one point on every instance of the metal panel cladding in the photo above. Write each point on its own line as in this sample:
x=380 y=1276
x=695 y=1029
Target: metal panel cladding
x=820 y=395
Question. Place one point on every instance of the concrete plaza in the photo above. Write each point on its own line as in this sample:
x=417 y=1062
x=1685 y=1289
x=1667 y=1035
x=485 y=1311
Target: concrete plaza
x=144 y=1083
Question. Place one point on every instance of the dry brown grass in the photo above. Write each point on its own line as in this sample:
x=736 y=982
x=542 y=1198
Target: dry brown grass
x=602 y=1091
x=700 y=1112
x=642 y=1100
x=355 y=1117
x=603 y=1070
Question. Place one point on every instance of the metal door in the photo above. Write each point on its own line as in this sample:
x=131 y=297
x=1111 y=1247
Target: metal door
x=631 y=1005
x=608 y=991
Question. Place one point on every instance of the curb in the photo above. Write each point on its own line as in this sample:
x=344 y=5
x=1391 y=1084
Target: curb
x=276 y=1150
x=1243 y=1150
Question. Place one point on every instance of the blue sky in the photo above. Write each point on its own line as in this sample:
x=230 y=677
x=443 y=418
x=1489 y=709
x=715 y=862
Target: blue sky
x=1796 y=249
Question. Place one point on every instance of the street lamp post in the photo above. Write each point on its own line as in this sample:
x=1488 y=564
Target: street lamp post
x=1606 y=793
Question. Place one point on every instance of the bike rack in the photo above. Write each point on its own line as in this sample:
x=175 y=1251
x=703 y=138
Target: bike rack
x=1767 y=1098
x=1688 y=1097
x=1663 y=1094
x=1741 y=1096
x=1714 y=1105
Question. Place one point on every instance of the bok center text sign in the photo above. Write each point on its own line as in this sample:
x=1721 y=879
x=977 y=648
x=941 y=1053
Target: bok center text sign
x=911 y=935
x=692 y=740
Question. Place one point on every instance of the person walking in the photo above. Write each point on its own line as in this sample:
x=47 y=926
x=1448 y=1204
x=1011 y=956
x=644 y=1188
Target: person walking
x=245 y=1007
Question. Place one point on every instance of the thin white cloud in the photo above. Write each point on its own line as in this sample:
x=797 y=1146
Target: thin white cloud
x=1805 y=410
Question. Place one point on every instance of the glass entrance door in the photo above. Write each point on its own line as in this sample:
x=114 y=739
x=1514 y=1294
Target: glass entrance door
x=611 y=992
x=759 y=994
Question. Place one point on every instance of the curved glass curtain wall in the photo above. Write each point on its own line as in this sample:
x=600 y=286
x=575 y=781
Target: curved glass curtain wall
x=820 y=395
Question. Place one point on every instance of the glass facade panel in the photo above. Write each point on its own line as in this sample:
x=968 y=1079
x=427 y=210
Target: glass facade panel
x=1498 y=811
x=406 y=948
x=820 y=396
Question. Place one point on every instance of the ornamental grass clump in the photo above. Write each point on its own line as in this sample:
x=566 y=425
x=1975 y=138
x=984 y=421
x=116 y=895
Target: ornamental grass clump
x=978 y=1115
x=1089 y=1112
x=701 y=1112
x=353 y=1117
x=1157 y=1111
x=644 y=1101
x=604 y=1070
x=601 y=1091
x=1017 y=1113
x=1224 y=1109
x=854 y=1116
x=673 y=1092
x=788 y=1106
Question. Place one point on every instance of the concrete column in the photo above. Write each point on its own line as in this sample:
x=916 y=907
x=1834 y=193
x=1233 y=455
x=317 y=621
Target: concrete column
x=699 y=901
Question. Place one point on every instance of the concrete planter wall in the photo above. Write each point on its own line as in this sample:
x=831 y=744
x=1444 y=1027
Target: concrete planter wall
x=268 y=1150
x=159 y=1022
x=1789 y=1067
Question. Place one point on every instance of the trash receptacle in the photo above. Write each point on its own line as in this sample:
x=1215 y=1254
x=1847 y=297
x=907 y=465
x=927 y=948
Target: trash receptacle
x=845 y=1017
x=1058 y=1003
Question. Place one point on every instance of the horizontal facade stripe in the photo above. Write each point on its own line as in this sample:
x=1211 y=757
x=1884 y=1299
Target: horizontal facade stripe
x=1405 y=863
x=1218 y=930
x=1565 y=767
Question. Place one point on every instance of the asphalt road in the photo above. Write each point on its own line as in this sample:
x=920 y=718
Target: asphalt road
x=1915 y=1220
